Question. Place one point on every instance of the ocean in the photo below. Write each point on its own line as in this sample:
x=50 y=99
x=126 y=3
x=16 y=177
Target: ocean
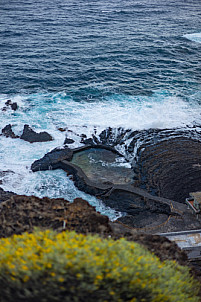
x=85 y=65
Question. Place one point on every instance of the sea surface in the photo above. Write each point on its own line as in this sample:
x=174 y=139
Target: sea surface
x=89 y=64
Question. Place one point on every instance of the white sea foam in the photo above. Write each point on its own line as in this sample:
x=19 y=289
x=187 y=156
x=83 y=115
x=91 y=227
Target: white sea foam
x=48 y=112
x=196 y=37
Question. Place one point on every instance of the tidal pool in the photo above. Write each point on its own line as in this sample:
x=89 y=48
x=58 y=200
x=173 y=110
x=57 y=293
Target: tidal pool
x=101 y=165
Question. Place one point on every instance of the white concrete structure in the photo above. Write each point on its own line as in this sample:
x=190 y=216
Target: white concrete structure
x=190 y=241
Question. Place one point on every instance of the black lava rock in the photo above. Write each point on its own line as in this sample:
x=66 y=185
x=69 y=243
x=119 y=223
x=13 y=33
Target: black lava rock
x=31 y=136
x=68 y=141
x=8 y=102
x=8 y=132
x=51 y=159
x=14 y=106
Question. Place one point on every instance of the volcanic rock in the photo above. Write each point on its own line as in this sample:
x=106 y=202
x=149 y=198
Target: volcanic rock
x=31 y=136
x=87 y=141
x=8 y=132
x=51 y=159
x=170 y=168
x=68 y=141
x=8 y=102
x=14 y=106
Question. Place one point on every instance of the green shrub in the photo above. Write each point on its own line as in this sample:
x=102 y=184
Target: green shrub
x=45 y=266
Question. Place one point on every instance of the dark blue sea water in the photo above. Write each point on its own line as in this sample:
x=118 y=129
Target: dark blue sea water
x=123 y=46
x=94 y=63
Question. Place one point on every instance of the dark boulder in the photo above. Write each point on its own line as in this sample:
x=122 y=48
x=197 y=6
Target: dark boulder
x=51 y=159
x=83 y=135
x=88 y=141
x=8 y=132
x=14 y=106
x=8 y=102
x=68 y=141
x=31 y=136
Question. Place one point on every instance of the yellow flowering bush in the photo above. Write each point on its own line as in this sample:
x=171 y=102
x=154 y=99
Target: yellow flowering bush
x=46 y=266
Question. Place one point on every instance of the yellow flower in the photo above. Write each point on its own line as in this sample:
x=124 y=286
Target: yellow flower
x=49 y=265
x=26 y=278
x=24 y=267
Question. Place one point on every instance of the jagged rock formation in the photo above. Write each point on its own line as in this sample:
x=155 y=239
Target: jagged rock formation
x=12 y=105
x=28 y=134
x=68 y=141
x=51 y=159
x=8 y=132
x=31 y=136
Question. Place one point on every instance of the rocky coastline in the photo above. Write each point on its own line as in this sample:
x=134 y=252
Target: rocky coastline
x=166 y=168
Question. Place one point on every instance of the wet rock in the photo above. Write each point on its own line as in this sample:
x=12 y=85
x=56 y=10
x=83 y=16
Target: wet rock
x=31 y=136
x=114 y=136
x=88 y=141
x=14 y=106
x=68 y=141
x=10 y=104
x=8 y=132
x=106 y=136
x=95 y=139
x=52 y=159
x=83 y=136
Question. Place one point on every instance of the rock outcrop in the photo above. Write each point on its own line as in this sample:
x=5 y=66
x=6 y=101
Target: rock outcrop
x=12 y=105
x=68 y=141
x=52 y=159
x=8 y=132
x=31 y=136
